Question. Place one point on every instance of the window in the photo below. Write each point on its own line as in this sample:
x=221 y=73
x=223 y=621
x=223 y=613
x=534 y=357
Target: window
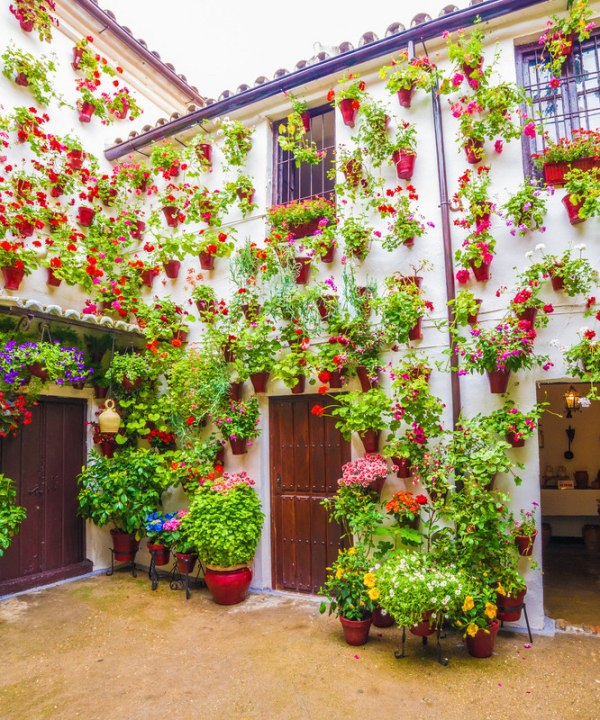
x=292 y=183
x=575 y=103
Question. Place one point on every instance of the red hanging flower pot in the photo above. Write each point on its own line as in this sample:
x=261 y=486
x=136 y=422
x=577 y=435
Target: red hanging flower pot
x=353 y=172
x=77 y=55
x=481 y=272
x=122 y=113
x=415 y=333
x=472 y=319
x=52 y=280
x=247 y=195
x=172 y=268
x=13 y=277
x=356 y=632
x=76 y=158
x=329 y=255
x=370 y=440
x=204 y=153
x=306 y=120
x=558 y=282
x=573 y=209
x=26 y=25
x=336 y=379
x=366 y=380
x=85 y=215
x=147 y=277
x=171 y=213
x=259 y=381
x=239 y=446
x=528 y=314
x=405 y=164
x=235 y=391
x=86 y=110
x=402 y=466
x=525 y=543
x=302 y=270
x=300 y=386
x=498 y=380
x=137 y=229
x=24 y=228
x=349 y=110
x=405 y=96
x=474 y=151
x=207 y=261
x=515 y=440
x=21 y=79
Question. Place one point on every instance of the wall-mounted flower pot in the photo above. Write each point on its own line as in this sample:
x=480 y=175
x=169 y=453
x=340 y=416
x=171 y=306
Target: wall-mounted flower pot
x=469 y=70
x=122 y=113
x=514 y=440
x=86 y=111
x=554 y=173
x=349 y=111
x=26 y=25
x=405 y=164
x=247 y=195
x=557 y=281
x=481 y=272
x=302 y=270
x=228 y=353
x=528 y=314
x=100 y=392
x=370 y=440
x=207 y=310
x=405 y=96
x=259 y=381
x=51 y=279
x=409 y=280
x=300 y=386
x=415 y=333
x=85 y=215
x=13 y=277
x=329 y=256
x=24 y=228
x=474 y=151
x=498 y=380
x=109 y=199
x=239 y=446
x=235 y=391
x=207 y=261
x=473 y=318
x=336 y=379
x=402 y=467
x=305 y=229
x=171 y=214
x=524 y=543
x=573 y=209
x=353 y=172
x=366 y=380
x=306 y=120
x=172 y=268
x=204 y=154
x=21 y=79
x=76 y=158
x=77 y=55
x=147 y=277
x=250 y=310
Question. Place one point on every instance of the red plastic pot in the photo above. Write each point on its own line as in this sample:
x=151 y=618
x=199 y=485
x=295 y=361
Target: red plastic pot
x=107 y=448
x=122 y=114
x=162 y=554
x=558 y=282
x=481 y=645
x=356 y=632
x=86 y=111
x=100 y=392
x=171 y=214
x=415 y=332
x=239 y=446
x=13 y=277
x=235 y=390
x=510 y=606
x=336 y=379
x=377 y=484
x=305 y=229
x=207 y=261
x=410 y=280
x=306 y=120
x=365 y=379
x=472 y=319
x=77 y=55
x=481 y=272
x=405 y=96
x=172 y=268
x=186 y=562
x=514 y=442
x=204 y=153
x=423 y=628
x=300 y=386
x=228 y=587
x=21 y=79
x=137 y=229
x=402 y=466
x=554 y=173
x=498 y=380
x=473 y=151
x=259 y=381
x=247 y=195
x=303 y=270
x=528 y=314
x=52 y=280
x=573 y=210
x=370 y=440
x=381 y=618
x=124 y=545
x=468 y=70
x=525 y=544
x=405 y=164
x=329 y=255
x=349 y=111
x=353 y=172
x=24 y=228
x=76 y=158
x=147 y=277
x=85 y=215
x=26 y=25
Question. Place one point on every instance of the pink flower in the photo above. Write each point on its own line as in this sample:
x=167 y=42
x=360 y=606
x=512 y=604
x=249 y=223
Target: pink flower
x=548 y=308
x=463 y=276
x=554 y=82
x=499 y=146
x=529 y=129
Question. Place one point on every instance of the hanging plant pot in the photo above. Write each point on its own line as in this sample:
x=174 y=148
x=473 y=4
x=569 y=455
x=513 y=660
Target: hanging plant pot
x=510 y=606
x=122 y=113
x=247 y=195
x=37 y=370
x=329 y=255
x=250 y=310
x=130 y=385
x=472 y=319
x=356 y=632
x=171 y=213
x=381 y=618
x=186 y=562
x=100 y=392
x=410 y=280
x=109 y=199
x=481 y=645
x=259 y=381
x=207 y=310
x=137 y=229
x=302 y=270
x=353 y=172
x=24 y=228
x=161 y=553
x=557 y=281
x=481 y=272
x=235 y=391
x=204 y=154
x=86 y=110
x=85 y=215
x=514 y=440
x=366 y=380
x=51 y=278
x=323 y=307
x=405 y=164
x=370 y=440
x=474 y=151
x=77 y=55
x=207 y=261
x=405 y=96
x=423 y=628
x=13 y=277
x=469 y=70
x=498 y=380
x=124 y=545
x=349 y=111
x=573 y=209
x=402 y=467
x=525 y=544
x=228 y=353
x=306 y=120
x=300 y=386
x=239 y=446
x=528 y=314
x=147 y=277
x=336 y=379
x=182 y=335
x=415 y=333
x=21 y=79
x=26 y=25
x=228 y=586
x=172 y=268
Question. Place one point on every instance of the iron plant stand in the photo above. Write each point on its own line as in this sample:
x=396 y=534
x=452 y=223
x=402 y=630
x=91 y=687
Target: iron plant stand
x=440 y=658
x=181 y=581
x=112 y=568
x=523 y=607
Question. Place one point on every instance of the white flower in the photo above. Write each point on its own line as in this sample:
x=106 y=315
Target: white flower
x=584 y=402
x=580 y=247
x=540 y=246
x=555 y=342
x=529 y=254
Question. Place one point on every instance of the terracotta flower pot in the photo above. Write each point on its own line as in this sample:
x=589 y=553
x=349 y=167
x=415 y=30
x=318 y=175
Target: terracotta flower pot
x=107 y=448
x=405 y=164
x=186 y=562
x=51 y=278
x=353 y=172
x=171 y=215
x=481 y=272
x=100 y=392
x=172 y=268
x=124 y=545
x=402 y=466
x=498 y=380
x=85 y=215
x=86 y=111
x=510 y=606
x=300 y=386
x=481 y=645
x=356 y=632
x=415 y=333
x=302 y=270
x=336 y=379
x=381 y=618
x=259 y=381
x=13 y=277
x=207 y=261
x=228 y=587
x=77 y=55
x=26 y=25
x=557 y=282
x=239 y=446
x=370 y=440
x=514 y=440
x=405 y=96
x=24 y=228
x=473 y=151
x=525 y=544
x=423 y=628
x=573 y=210
x=162 y=554
x=247 y=195
x=305 y=229
x=349 y=111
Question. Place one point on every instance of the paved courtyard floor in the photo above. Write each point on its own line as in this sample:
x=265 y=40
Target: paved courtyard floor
x=111 y=648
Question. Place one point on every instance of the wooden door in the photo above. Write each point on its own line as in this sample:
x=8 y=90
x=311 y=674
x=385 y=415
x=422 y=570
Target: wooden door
x=307 y=454
x=44 y=460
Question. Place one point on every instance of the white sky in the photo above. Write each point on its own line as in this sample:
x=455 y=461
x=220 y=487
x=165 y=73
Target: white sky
x=221 y=45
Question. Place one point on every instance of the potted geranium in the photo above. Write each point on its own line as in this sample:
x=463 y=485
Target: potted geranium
x=525 y=210
x=241 y=190
x=206 y=302
x=16 y=261
x=402 y=309
x=35 y=15
x=51 y=361
x=476 y=618
x=405 y=223
x=212 y=243
x=348 y=97
x=237 y=141
x=404 y=150
x=357 y=236
x=225 y=525
x=294 y=366
x=11 y=514
x=301 y=217
x=582 y=199
x=89 y=103
x=238 y=423
x=580 y=151
x=108 y=495
x=561 y=32
x=293 y=138
x=567 y=272
x=525 y=531
x=405 y=75
x=122 y=104
x=30 y=72
x=351 y=593
x=583 y=357
x=129 y=370
x=163 y=319
x=465 y=307
x=514 y=424
x=255 y=348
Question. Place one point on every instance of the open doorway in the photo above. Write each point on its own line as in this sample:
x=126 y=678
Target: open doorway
x=570 y=502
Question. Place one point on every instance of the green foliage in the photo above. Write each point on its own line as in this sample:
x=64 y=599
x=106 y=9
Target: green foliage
x=38 y=71
x=11 y=514
x=362 y=411
x=347 y=585
x=225 y=521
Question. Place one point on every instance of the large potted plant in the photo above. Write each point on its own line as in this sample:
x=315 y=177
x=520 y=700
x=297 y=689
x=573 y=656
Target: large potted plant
x=225 y=525
x=580 y=151
x=476 y=619
x=121 y=491
x=238 y=423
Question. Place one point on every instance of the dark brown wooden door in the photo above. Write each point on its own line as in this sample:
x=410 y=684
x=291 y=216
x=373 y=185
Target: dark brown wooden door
x=307 y=454
x=44 y=460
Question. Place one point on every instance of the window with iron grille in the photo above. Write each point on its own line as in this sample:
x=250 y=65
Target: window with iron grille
x=292 y=183
x=575 y=103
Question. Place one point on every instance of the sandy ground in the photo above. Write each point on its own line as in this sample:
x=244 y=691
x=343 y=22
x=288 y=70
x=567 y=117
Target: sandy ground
x=111 y=648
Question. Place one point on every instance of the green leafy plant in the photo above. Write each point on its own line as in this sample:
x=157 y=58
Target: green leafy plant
x=359 y=411
x=350 y=87
x=239 y=419
x=11 y=514
x=576 y=272
x=35 y=73
x=401 y=308
x=404 y=73
x=35 y=15
x=477 y=611
x=526 y=209
x=583 y=189
x=225 y=521
x=350 y=586
x=237 y=141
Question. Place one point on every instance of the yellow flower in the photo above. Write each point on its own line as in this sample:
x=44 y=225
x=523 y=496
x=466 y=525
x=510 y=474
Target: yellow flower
x=352 y=551
x=374 y=593
x=490 y=610
x=472 y=629
x=339 y=573
x=468 y=604
x=500 y=590
x=369 y=580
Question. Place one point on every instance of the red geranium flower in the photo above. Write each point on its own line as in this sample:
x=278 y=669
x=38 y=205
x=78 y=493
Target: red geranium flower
x=318 y=410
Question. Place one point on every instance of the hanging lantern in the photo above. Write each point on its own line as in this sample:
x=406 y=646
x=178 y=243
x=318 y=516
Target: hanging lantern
x=572 y=398
x=109 y=419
